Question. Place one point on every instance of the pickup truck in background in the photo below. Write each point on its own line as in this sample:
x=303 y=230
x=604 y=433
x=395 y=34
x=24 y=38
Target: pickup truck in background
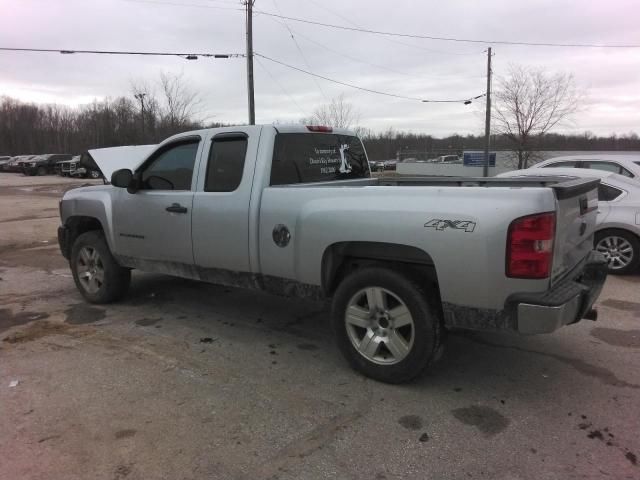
x=44 y=164
x=293 y=210
x=73 y=168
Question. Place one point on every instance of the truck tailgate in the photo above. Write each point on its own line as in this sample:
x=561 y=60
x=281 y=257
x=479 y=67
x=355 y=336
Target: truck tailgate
x=577 y=207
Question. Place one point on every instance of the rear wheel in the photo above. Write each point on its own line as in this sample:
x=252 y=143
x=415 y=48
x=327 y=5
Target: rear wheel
x=41 y=171
x=386 y=326
x=94 y=174
x=97 y=275
x=621 y=249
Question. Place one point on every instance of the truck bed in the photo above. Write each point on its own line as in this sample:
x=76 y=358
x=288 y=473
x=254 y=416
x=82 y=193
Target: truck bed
x=563 y=187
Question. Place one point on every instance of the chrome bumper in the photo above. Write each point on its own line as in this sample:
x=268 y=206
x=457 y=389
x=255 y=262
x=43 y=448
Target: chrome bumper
x=568 y=302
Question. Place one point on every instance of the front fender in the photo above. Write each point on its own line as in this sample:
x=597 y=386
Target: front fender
x=93 y=202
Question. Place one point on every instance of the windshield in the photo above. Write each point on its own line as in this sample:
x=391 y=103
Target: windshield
x=317 y=157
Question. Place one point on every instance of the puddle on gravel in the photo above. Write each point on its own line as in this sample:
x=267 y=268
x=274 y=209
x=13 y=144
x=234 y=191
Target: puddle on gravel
x=618 y=338
x=147 y=322
x=126 y=433
x=40 y=329
x=411 y=422
x=486 y=419
x=81 y=314
x=9 y=319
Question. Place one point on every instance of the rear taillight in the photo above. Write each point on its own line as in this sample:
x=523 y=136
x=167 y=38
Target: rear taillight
x=530 y=246
x=319 y=128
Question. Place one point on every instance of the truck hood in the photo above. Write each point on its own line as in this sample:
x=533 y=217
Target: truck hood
x=111 y=159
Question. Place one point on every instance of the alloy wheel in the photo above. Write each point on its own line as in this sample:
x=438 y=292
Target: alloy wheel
x=90 y=269
x=617 y=250
x=379 y=326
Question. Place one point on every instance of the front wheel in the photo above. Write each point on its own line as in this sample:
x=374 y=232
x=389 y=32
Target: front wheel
x=41 y=171
x=94 y=174
x=97 y=275
x=620 y=248
x=385 y=324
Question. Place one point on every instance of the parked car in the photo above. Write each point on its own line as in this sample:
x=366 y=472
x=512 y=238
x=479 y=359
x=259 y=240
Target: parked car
x=15 y=164
x=617 y=233
x=3 y=161
x=389 y=164
x=73 y=168
x=83 y=172
x=293 y=210
x=67 y=167
x=44 y=164
x=376 y=166
x=627 y=165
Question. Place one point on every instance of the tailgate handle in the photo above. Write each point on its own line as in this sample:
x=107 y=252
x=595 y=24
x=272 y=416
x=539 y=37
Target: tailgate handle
x=584 y=205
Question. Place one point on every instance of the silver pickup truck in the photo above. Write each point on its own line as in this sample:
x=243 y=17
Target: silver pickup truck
x=294 y=210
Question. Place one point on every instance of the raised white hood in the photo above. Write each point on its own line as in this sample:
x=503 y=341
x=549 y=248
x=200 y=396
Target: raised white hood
x=114 y=158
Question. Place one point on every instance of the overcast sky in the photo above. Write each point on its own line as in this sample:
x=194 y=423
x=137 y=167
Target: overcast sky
x=409 y=67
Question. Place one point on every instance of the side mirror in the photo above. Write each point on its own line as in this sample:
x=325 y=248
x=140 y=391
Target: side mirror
x=121 y=178
x=124 y=178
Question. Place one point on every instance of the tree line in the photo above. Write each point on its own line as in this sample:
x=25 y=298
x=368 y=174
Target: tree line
x=391 y=144
x=152 y=113
x=145 y=117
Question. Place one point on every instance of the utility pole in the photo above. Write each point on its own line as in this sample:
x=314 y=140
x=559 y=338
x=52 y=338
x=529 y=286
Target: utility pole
x=140 y=96
x=252 y=106
x=487 y=121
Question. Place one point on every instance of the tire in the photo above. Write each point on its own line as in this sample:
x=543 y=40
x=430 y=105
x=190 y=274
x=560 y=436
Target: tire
x=621 y=248
x=98 y=278
x=393 y=353
x=41 y=171
x=94 y=174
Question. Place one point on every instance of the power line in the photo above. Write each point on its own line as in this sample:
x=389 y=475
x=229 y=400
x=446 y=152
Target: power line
x=187 y=56
x=446 y=39
x=376 y=65
x=378 y=92
x=176 y=4
x=405 y=35
x=304 y=59
x=275 y=80
x=397 y=42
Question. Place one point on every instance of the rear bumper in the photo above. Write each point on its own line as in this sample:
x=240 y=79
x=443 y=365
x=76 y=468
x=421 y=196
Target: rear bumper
x=568 y=302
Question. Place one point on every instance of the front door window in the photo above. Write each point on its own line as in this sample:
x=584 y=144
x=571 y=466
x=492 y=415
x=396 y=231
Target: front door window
x=172 y=168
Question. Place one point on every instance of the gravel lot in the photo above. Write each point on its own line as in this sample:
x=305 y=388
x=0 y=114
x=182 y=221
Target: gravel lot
x=192 y=381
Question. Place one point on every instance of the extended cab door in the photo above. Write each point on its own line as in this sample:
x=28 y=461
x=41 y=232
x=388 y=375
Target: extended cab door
x=221 y=202
x=155 y=222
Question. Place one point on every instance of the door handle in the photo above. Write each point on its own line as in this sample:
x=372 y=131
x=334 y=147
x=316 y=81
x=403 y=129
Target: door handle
x=176 y=208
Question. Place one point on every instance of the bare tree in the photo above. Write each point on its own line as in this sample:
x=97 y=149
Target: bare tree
x=180 y=102
x=528 y=104
x=338 y=113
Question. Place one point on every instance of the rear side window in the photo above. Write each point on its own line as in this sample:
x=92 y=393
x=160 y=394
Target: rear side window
x=607 y=193
x=609 y=167
x=560 y=165
x=226 y=163
x=317 y=157
x=604 y=166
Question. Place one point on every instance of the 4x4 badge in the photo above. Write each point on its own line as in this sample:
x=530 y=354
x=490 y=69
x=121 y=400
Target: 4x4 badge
x=440 y=224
